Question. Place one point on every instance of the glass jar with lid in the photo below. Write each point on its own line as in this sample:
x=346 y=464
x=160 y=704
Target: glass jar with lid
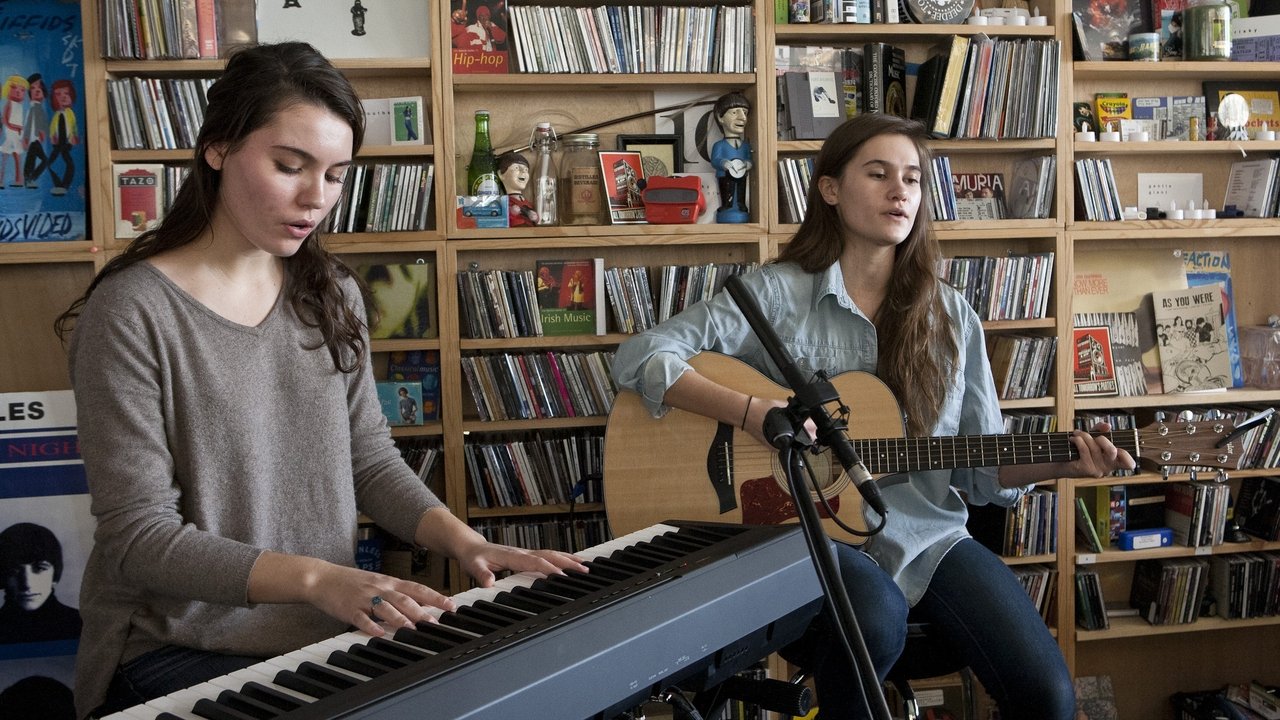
x=582 y=197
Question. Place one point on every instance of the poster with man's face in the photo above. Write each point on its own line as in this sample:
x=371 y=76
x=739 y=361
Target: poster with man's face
x=46 y=534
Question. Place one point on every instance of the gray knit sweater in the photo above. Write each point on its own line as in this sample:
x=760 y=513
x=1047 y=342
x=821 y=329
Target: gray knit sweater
x=206 y=443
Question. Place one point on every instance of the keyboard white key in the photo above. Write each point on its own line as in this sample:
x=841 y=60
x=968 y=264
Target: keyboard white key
x=181 y=702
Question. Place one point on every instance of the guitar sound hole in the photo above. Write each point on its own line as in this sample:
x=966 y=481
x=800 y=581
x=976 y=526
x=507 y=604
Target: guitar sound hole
x=831 y=478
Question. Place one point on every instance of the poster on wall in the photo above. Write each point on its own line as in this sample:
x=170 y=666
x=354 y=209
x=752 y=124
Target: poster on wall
x=42 y=122
x=350 y=28
x=46 y=533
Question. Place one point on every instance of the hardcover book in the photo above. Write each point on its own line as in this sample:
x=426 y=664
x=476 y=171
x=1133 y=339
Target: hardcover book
x=884 y=72
x=401 y=402
x=571 y=296
x=404 y=300
x=1213 y=267
x=480 y=37
x=1093 y=370
x=979 y=196
x=1193 y=343
x=139 y=197
x=938 y=87
x=422 y=366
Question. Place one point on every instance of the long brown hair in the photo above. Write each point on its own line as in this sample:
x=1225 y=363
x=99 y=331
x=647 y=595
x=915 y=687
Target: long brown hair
x=259 y=82
x=917 y=345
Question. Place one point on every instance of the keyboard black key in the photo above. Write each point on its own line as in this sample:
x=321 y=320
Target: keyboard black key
x=376 y=657
x=491 y=613
x=557 y=585
x=211 y=710
x=347 y=661
x=398 y=649
x=506 y=611
x=246 y=705
x=479 y=626
x=555 y=599
x=523 y=602
x=305 y=685
x=325 y=675
x=283 y=702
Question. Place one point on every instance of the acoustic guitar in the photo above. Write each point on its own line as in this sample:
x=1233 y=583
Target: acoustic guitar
x=689 y=467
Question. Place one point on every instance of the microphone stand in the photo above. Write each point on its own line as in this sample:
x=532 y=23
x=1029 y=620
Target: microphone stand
x=783 y=426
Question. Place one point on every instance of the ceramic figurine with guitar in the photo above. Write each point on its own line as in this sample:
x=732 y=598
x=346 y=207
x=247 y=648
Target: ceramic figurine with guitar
x=857 y=289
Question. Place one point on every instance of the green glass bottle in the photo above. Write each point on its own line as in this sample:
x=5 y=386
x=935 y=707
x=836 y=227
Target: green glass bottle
x=482 y=172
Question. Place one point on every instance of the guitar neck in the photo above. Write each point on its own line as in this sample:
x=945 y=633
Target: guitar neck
x=898 y=455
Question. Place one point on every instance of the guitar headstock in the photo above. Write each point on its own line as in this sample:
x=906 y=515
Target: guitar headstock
x=1201 y=443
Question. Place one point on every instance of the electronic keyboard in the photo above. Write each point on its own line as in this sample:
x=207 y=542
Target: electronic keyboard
x=674 y=605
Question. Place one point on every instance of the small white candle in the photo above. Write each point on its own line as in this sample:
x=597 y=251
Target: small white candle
x=1209 y=213
x=1036 y=18
x=1109 y=135
x=1018 y=20
x=1139 y=136
x=1174 y=212
x=977 y=20
x=1085 y=134
x=1264 y=133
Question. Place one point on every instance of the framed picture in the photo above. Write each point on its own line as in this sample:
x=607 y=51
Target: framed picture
x=406 y=120
x=622 y=171
x=659 y=154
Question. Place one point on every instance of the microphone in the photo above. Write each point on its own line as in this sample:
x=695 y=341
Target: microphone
x=812 y=395
x=777 y=696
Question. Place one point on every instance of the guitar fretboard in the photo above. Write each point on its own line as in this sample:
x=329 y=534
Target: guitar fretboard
x=944 y=453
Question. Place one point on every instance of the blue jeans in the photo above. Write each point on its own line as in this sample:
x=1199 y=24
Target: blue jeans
x=164 y=671
x=881 y=612
x=976 y=608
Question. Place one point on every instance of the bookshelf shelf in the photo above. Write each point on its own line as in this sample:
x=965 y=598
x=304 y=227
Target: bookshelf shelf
x=660 y=233
x=476 y=511
x=942 y=147
x=1131 y=627
x=1147 y=477
x=1121 y=556
x=819 y=33
x=1177 y=147
x=543 y=424
x=546 y=341
x=1084 y=232
x=1243 y=395
x=544 y=82
x=405 y=344
x=1128 y=71
x=431 y=429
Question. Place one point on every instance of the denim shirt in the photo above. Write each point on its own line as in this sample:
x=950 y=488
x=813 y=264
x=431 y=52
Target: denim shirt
x=822 y=329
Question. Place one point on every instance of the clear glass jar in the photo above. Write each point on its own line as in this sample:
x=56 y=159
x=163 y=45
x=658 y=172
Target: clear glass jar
x=582 y=197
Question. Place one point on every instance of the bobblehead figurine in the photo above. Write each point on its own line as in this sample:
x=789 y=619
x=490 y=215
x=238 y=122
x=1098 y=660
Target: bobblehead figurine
x=513 y=170
x=731 y=157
